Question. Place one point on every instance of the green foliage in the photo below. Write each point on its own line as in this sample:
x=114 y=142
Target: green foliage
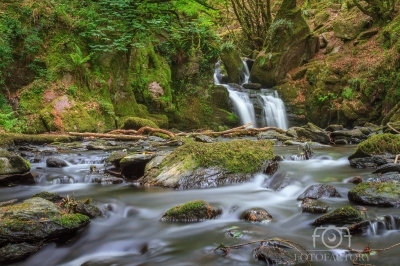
x=78 y=58
x=228 y=46
x=325 y=97
x=7 y=119
x=347 y=93
x=106 y=106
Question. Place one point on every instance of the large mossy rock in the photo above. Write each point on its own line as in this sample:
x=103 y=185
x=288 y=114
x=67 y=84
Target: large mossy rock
x=192 y=211
x=378 y=144
x=32 y=223
x=199 y=165
x=66 y=114
x=343 y=215
x=15 y=170
x=289 y=44
x=233 y=64
x=350 y=23
x=137 y=122
x=376 y=193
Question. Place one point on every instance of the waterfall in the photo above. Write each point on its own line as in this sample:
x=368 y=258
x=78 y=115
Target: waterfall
x=273 y=112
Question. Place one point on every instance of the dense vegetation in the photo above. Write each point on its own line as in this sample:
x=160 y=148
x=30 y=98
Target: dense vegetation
x=91 y=65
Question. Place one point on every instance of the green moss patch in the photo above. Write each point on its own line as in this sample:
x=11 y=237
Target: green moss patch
x=237 y=156
x=376 y=193
x=137 y=122
x=9 y=138
x=192 y=211
x=378 y=144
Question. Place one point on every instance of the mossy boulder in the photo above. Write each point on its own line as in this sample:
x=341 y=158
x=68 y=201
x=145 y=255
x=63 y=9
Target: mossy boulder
x=199 y=165
x=66 y=114
x=137 y=122
x=13 y=164
x=343 y=215
x=14 y=170
x=34 y=222
x=380 y=144
x=313 y=206
x=192 y=211
x=385 y=194
x=349 y=24
x=233 y=64
x=289 y=44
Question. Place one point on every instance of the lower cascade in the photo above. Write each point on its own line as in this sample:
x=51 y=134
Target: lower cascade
x=261 y=107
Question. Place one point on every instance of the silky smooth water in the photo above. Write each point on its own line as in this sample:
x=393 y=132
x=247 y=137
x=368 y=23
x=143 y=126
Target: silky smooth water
x=131 y=232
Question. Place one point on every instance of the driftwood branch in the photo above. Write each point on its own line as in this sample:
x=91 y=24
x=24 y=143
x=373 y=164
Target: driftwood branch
x=153 y=130
x=123 y=132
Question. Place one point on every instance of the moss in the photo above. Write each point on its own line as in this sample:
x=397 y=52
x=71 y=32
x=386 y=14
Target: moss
x=376 y=193
x=137 y=122
x=16 y=138
x=378 y=144
x=343 y=215
x=72 y=220
x=193 y=211
x=237 y=156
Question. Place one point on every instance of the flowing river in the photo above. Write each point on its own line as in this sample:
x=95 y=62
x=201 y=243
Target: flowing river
x=131 y=232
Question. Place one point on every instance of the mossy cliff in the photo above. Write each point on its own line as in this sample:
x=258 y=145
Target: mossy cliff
x=353 y=79
x=62 y=69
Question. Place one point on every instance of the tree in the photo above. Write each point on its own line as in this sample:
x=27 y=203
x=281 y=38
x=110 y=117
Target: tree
x=255 y=18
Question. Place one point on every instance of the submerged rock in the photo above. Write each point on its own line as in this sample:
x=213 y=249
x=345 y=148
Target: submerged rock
x=256 y=215
x=318 y=191
x=344 y=215
x=192 y=211
x=376 y=193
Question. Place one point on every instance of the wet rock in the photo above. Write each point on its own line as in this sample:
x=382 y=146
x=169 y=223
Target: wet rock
x=35 y=221
x=390 y=176
x=256 y=215
x=203 y=138
x=16 y=252
x=108 y=180
x=192 y=211
x=386 y=168
x=272 y=134
x=88 y=210
x=277 y=253
x=116 y=156
x=382 y=148
x=13 y=164
x=133 y=165
x=359 y=228
x=375 y=226
x=376 y=193
x=278 y=181
x=355 y=180
x=50 y=196
x=313 y=133
x=271 y=166
x=332 y=128
x=318 y=191
x=55 y=162
x=343 y=215
x=200 y=165
x=17 y=179
x=370 y=162
x=252 y=86
x=96 y=147
x=348 y=134
x=313 y=206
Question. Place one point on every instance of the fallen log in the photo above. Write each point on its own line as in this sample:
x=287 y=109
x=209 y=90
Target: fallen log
x=109 y=136
x=155 y=130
